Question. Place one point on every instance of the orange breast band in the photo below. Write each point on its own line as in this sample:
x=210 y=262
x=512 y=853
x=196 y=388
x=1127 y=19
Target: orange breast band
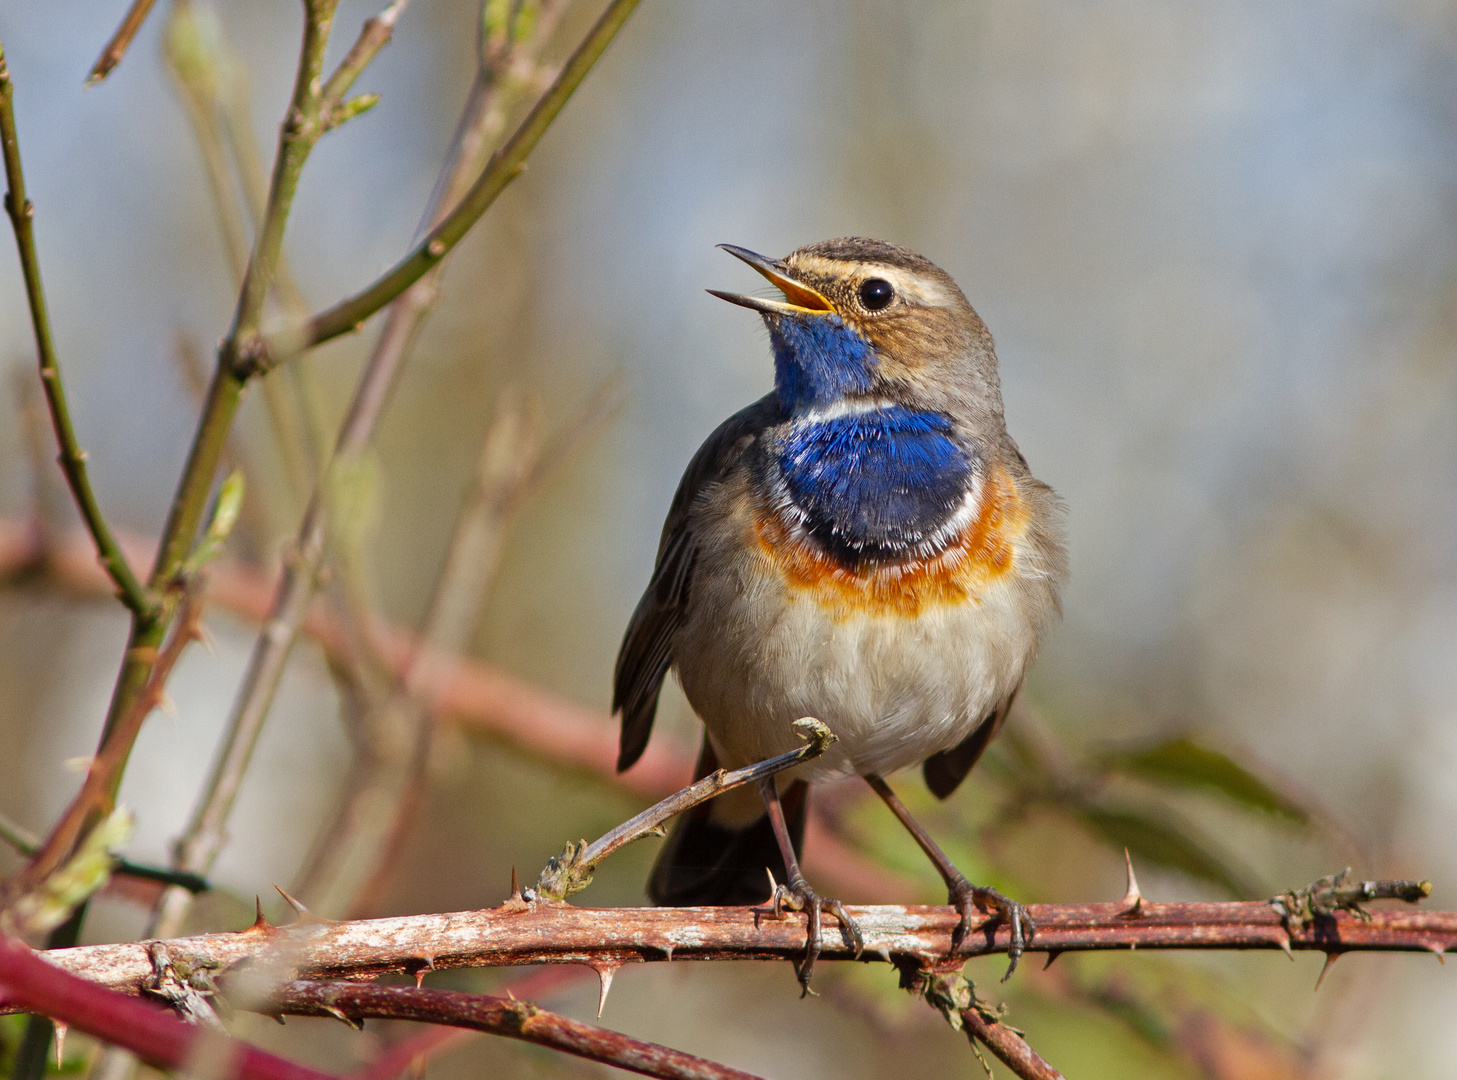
x=982 y=553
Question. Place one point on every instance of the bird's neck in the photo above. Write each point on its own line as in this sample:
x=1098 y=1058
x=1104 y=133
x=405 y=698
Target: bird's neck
x=884 y=483
x=818 y=361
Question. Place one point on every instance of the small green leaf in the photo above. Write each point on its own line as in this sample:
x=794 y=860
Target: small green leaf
x=224 y=517
x=349 y=108
x=1184 y=763
x=53 y=900
x=1165 y=842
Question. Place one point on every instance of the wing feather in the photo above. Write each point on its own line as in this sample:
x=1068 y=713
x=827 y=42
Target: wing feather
x=945 y=771
x=647 y=647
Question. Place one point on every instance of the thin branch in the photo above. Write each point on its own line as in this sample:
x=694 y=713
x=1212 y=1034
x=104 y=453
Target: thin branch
x=209 y=82
x=204 y=836
x=571 y=872
x=72 y=458
x=30 y=983
x=505 y=165
x=395 y=729
x=376 y=34
x=519 y=932
x=499 y=1016
x=93 y=800
x=120 y=41
x=1007 y=1044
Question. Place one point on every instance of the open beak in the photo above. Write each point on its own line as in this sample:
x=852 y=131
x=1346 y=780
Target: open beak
x=802 y=300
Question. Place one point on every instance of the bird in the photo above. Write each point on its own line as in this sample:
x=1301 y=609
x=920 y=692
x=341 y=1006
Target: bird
x=864 y=545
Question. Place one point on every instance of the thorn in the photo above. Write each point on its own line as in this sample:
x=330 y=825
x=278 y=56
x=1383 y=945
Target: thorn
x=61 y=1030
x=168 y=706
x=1330 y=962
x=515 y=885
x=668 y=952
x=1132 y=899
x=1284 y=942
x=261 y=925
x=1051 y=956
x=293 y=902
x=510 y=995
x=1437 y=951
x=427 y=963
x=605 y=972
x=352 y=1021
x=773 y=886
x=205 y=639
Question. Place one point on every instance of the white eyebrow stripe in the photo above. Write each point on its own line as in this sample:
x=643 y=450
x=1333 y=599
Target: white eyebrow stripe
x=918 y=288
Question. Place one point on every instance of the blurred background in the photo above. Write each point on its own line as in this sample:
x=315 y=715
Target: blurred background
x=1217 y=245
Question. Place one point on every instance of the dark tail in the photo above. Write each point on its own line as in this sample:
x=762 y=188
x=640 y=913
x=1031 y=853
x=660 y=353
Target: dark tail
x=706 y=863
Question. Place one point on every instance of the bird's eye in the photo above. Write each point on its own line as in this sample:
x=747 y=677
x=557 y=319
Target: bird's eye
x=876 y=294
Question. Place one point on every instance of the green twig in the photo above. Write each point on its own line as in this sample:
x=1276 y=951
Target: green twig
x=72 y=458
x=505 y=165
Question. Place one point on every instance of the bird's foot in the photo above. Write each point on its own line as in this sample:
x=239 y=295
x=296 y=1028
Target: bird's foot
x=798 y=896
x=967 y=898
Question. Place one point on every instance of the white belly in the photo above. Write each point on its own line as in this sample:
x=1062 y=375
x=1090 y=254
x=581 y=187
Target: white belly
x=756 y=656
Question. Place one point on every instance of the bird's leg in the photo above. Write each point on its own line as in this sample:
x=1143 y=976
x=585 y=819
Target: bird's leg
x=797 y=895
x=962 y=893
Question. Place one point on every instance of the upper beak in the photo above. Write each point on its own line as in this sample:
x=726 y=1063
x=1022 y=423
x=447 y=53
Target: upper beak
x=802 y=299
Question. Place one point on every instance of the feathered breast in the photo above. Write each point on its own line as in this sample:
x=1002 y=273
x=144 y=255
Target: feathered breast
x=974 y=558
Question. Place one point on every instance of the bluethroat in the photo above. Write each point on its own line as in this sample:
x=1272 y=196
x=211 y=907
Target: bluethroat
x=864 y=545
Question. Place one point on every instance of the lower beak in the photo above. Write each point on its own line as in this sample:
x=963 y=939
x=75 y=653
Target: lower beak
x=802 y=300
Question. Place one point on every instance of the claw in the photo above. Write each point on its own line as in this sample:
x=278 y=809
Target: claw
x=966 y=896
x=798 y=896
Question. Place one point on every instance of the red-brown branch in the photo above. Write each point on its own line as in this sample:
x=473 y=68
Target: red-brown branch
x=97 y=793
x=1009 y=1047
x=499 y=1016
x=29 y=983
x=518 y=933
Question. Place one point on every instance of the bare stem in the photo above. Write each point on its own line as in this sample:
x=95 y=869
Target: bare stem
x=572 y=871
x=120 y=41
x=72 y=458
x=499 y=1016
x=505 y=165
x=352 y=851
x=1007 y=1044
x=204 y=837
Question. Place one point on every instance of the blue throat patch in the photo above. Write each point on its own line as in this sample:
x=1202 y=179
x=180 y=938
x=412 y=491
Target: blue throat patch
x=817 y=361
x=875 y=485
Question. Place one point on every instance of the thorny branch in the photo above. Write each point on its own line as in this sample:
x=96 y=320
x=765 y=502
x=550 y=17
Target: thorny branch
x=29 y=982
x=522 y=932
x=1007 y=1044
x=72 y=458
x=499 y=1016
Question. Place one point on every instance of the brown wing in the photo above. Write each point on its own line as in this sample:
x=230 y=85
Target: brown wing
x=945 y=771
x=647 y=647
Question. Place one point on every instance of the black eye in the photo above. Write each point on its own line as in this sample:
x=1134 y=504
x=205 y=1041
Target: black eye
x=876 y=294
